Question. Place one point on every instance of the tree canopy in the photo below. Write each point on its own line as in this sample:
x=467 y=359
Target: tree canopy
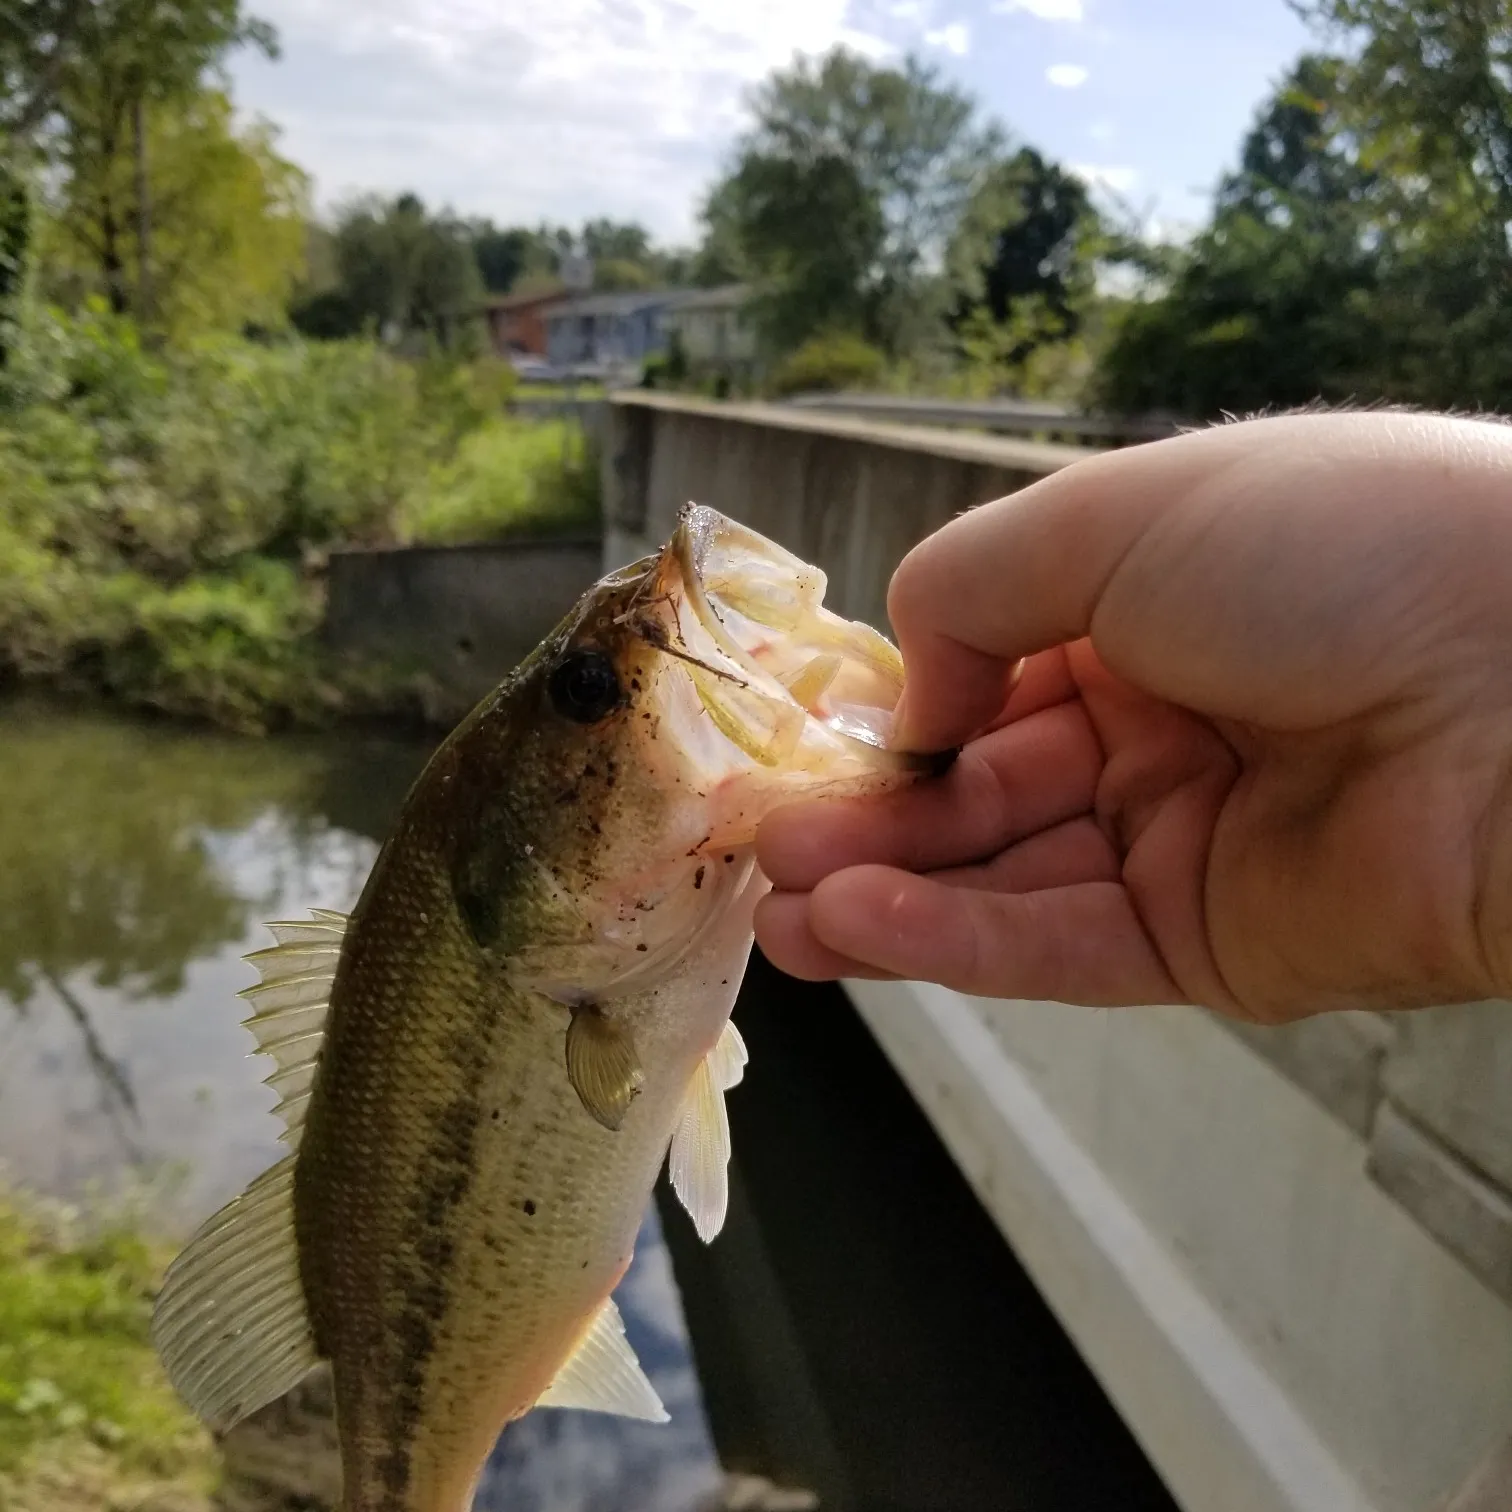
x=844 y=194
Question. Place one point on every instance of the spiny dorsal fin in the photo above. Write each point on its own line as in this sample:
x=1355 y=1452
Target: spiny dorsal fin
x=699 y=1159
x=230 y=1324
x=603 y=1374
x=291 y=1003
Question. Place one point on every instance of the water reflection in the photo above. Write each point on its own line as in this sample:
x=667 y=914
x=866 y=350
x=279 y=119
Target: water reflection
x=137 y=863
x=136 y=866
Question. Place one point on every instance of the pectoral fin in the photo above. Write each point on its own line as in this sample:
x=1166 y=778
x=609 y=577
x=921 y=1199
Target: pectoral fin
x=603 y=1374
x=698 y=1162
x=602 y=1065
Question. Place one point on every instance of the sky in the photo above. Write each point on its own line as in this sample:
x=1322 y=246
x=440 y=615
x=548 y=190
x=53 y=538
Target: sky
x=563 y=110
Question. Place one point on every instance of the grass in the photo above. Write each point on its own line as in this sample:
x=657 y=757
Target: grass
x=511 y=478
x=88 y=1422
x=529 y=390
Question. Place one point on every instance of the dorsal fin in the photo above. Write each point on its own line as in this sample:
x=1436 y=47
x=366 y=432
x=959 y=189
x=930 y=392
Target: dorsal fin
x=230 y=1323
x=291 y=1003
x=699 y=1159
x=603 y=1374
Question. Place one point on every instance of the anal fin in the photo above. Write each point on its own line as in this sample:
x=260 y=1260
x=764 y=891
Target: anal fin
x=699 y=1159
x=603 y=1374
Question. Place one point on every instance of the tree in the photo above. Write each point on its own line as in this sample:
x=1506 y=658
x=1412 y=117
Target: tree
x=1268 y=306
x=1428 y=87
x=1361 y=251
x=507 y=255
x=399 y=272
x=230 y=213
x=89 y=75
x=844 y=193
x=1022 y=261
x=36 y=40
x=610 y=241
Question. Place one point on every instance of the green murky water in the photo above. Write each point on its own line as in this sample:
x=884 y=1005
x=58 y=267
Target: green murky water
x=137 y=864
x=842 y=1343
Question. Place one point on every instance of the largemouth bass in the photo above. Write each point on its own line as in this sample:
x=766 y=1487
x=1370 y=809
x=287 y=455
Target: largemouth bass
x=483 y=1068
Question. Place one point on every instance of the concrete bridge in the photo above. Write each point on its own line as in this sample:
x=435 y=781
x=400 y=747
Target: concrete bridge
x=1286 y=1254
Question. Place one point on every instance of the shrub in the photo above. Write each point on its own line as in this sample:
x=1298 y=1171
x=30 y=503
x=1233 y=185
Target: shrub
x=163 y=516
x=512 y=478
x=828 y=363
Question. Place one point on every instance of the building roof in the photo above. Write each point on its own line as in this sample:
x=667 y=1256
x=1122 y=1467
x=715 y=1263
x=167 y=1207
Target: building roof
x=523 y=300
x=627 y=303
x=725 y=297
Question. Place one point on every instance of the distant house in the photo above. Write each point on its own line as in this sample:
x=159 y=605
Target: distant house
x=611 y=331
x=712 y=329
x=517 y=322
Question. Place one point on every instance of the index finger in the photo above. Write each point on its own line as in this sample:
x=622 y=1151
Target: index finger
x=1009 y=579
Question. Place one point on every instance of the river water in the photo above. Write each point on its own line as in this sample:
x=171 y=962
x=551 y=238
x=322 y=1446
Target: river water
x=138 y=862
x=863 y=1336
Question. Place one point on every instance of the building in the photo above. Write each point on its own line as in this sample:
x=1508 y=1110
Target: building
x=711 y=327
x=517 y=322
x=610 y=331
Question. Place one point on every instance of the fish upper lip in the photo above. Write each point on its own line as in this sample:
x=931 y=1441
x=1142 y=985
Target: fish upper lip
x=685 y=554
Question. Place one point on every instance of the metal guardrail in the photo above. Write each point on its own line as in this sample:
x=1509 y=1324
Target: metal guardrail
x=1005 y=416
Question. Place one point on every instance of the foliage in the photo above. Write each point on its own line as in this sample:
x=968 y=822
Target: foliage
x=1427 y=87
x=112 y=73
x=91 y=62
x=511 y=479
x=1023 y=257
x=1360 y=251
x=844 y=194
x=163 y=516
x=399 y=272
x=508 y=255
x=832 y=362
x=78 y=1377
x=228 y=221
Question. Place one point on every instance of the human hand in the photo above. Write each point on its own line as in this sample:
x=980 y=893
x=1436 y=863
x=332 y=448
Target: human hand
x=1259 y=757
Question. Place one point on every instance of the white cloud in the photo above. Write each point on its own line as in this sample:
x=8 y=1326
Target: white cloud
x=1066 y=75
x=1046 y=10
x=1119 y=177
x=953 y=38
x=586 y=107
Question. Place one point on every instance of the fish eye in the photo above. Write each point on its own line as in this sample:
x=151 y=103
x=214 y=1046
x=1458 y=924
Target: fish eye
x=584 y=687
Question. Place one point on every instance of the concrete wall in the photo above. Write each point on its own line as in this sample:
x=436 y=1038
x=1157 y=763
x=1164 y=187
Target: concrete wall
x=1286 y=1253
x=849 y=495
x=459 y=617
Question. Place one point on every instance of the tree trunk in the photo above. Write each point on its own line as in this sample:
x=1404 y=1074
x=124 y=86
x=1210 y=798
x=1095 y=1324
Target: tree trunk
x=111 y=263
x=144 y=214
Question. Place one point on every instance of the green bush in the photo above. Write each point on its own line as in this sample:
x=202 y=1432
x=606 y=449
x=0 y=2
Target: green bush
x=164 y=516
x=515 y=478
x=829 y=363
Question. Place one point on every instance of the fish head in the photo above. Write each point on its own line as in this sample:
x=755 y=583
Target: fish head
x=686 y=696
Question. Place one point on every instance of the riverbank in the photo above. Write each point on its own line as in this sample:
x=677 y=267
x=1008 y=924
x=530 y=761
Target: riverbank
x=87 y=1420
x=166 y=517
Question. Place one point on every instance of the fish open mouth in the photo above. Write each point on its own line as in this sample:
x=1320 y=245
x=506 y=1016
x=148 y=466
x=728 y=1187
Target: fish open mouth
x=791 y=684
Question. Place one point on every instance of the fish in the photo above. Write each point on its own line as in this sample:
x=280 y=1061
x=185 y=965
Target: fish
x=483 y=1069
